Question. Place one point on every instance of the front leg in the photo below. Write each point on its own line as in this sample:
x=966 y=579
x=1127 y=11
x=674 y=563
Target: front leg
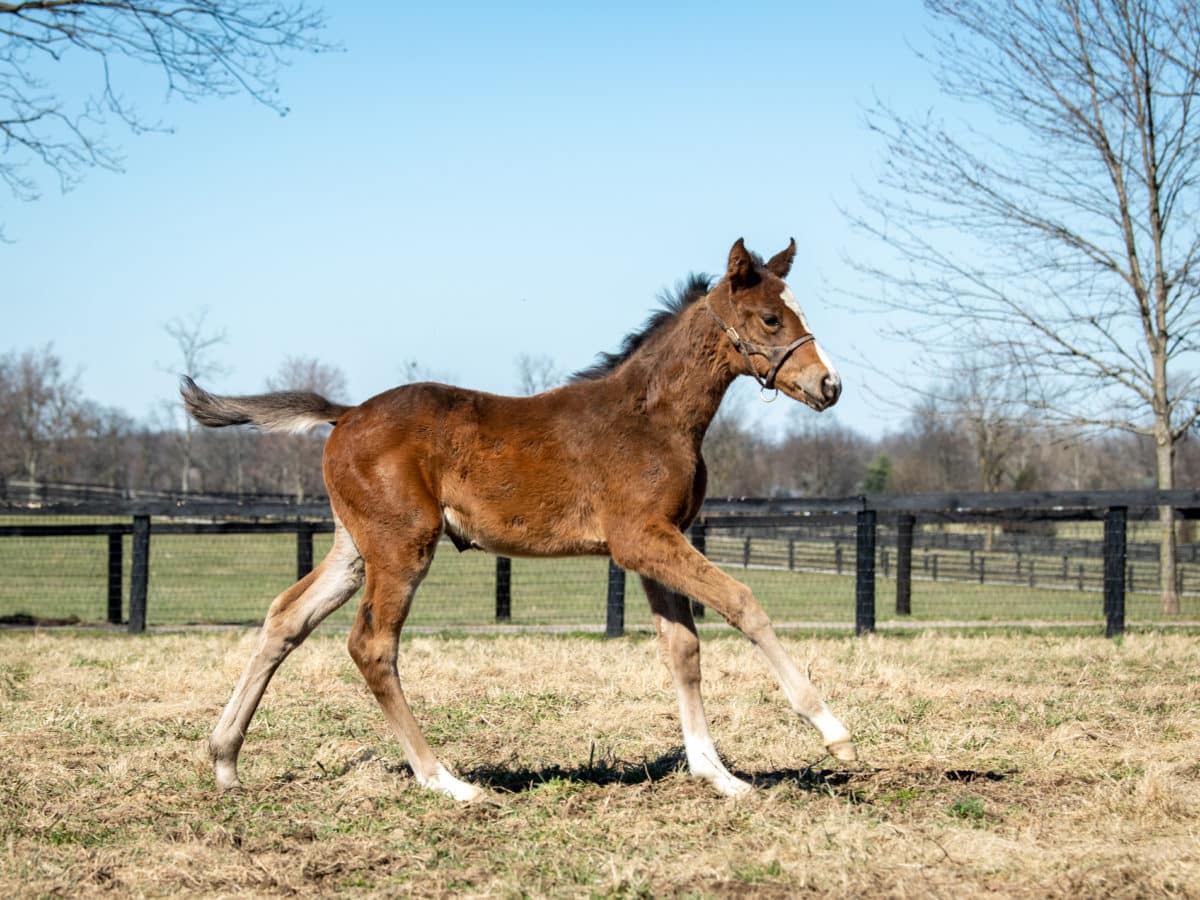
x=681 y=649
x=662 y=553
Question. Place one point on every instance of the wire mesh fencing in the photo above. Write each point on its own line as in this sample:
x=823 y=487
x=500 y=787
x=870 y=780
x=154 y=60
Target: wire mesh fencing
x=805 y=569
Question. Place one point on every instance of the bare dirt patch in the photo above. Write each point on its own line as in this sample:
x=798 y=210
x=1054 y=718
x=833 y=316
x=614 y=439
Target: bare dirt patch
x=1024 y=765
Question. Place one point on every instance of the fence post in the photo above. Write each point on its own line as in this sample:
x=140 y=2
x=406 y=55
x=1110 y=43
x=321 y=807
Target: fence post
x=700 y=542
x=864 y=587
x=116 y=574
x=503 y=589
x=904 y=545
x=791 y=554
x=1114 y=571
x=615 y=621
x=304 y=551
x=746 y=553
x=139 y=575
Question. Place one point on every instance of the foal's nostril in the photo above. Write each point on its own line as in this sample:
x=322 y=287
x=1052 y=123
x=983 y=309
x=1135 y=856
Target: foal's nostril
x=831 y=387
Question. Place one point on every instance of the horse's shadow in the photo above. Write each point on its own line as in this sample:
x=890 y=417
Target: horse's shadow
x=510 y=779
x=858 y=783
x=855 y=785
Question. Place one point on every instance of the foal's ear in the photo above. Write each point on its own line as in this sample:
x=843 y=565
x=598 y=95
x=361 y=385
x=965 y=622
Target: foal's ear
x=740 y=265
x=781 y=263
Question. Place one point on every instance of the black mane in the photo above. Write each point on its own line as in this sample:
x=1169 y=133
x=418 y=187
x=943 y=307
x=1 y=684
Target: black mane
x=686 y=292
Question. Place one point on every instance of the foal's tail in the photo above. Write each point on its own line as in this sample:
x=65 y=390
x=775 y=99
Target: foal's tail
x=293 y=411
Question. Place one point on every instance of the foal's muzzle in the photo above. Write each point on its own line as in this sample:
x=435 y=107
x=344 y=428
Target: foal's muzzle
x=831 y=389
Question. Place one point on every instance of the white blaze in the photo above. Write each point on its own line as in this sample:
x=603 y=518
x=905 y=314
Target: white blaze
x=789 y=300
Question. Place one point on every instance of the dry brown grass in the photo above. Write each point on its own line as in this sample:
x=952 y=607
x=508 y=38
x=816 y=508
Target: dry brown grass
x=1017 y=765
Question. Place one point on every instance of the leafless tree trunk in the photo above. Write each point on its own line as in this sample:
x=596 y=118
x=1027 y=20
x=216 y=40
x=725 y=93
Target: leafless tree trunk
x=1062 y=232
x=195 y=344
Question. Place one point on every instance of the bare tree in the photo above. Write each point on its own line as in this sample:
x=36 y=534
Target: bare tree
x=537 y=373
x=819 y=457
x=101 y=448
x=41 y=408
x=1065 y=236
x=201 y=48
x=734 y=458
x=930 y=453
x=196 y=359
x=981 y=401
x=297 y=457
x=307 y=373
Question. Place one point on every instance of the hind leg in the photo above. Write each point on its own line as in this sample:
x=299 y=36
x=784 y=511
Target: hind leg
x=374 y=646
x=292 y=617
x=681 y=648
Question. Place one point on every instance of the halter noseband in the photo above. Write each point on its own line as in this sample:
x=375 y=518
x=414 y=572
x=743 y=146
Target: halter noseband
x=775 y=354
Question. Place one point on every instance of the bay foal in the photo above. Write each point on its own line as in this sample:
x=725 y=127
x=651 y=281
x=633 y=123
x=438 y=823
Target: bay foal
x=607 y=464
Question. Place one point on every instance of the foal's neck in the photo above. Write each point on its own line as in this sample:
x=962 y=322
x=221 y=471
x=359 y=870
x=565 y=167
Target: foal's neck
x=680 y=378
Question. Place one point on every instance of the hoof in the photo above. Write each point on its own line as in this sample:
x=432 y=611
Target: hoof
x=445 y=783
x=732 y=787
x=843 y=751
x=226 y=776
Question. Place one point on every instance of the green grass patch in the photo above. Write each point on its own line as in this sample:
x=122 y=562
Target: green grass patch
x=232 y=579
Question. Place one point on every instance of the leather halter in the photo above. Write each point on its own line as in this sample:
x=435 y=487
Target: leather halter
x=775 y=354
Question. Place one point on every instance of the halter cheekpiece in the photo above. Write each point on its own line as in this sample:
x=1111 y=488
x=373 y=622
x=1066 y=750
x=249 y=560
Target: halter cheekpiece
x=775 y=354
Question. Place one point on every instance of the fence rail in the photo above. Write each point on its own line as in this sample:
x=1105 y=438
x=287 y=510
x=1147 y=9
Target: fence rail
x=935 y=549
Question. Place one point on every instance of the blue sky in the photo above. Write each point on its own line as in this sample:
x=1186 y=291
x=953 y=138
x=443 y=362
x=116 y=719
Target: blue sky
x=464 y=183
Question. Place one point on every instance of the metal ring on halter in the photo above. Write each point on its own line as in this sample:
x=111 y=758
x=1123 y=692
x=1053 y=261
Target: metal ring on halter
x=762 y=394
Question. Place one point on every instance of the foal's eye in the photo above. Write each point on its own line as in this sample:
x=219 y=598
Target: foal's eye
x=771 y=320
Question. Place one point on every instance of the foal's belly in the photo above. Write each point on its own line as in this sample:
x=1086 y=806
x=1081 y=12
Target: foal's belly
x=520 y=533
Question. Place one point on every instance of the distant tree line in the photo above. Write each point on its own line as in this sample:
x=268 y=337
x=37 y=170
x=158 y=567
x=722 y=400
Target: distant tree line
x=934 y=450
x=51 y=431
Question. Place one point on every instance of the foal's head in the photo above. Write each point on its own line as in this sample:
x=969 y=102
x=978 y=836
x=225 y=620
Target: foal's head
x=769 y=336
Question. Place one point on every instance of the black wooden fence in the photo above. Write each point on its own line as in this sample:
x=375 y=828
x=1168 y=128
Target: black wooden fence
x=792 y=524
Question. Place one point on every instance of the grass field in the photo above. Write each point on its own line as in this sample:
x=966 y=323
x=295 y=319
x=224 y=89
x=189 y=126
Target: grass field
x=1014 y=765
x=231 y=578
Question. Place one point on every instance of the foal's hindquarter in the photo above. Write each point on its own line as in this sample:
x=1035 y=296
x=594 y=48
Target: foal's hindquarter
x=609 y=466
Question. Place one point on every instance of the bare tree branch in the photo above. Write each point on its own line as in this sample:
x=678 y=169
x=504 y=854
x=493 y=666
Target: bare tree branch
x=201 y=48
x=1064 y=233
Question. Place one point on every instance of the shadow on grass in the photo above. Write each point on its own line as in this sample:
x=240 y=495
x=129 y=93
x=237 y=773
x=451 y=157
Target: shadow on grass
x=846 y=783
x=516 y=780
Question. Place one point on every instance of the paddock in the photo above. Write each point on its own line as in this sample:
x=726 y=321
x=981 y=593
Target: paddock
x=1029 y=764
